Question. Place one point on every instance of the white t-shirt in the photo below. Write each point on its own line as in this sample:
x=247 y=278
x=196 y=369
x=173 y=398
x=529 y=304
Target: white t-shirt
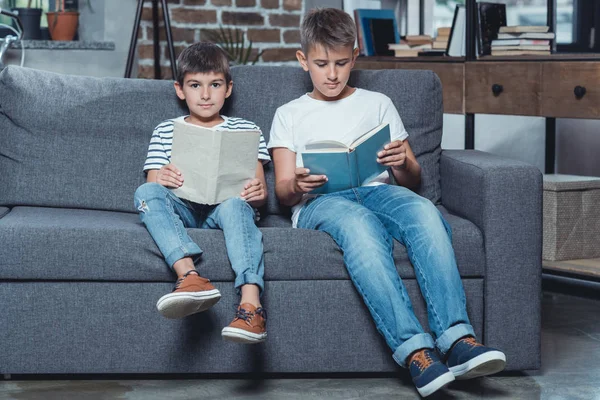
x=306 y=120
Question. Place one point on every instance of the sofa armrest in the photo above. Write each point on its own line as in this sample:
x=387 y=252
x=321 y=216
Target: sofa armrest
x=503 y=198
x=4 y=211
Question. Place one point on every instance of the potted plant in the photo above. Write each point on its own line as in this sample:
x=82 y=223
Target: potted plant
x=233 y=42
x=30 y=15
x=64 y=20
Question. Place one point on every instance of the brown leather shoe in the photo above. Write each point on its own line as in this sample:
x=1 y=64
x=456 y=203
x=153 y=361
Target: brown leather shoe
x=192 y=294
x=248 y=326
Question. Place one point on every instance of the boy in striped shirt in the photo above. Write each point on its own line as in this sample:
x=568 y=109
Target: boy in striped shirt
x=204 y=82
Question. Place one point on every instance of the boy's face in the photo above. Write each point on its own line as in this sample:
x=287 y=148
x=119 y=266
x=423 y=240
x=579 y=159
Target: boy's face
x=205 y=94
x=329 y=70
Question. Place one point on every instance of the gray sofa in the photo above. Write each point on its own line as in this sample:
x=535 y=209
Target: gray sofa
x=80 y=275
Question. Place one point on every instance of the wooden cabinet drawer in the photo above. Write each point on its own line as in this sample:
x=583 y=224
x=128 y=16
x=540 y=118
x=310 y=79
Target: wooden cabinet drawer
x=561 y=81
x=451 y=75
x=503 y=88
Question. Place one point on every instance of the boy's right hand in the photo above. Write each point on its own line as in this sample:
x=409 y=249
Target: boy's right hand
x=169 y=176
x=305 y=182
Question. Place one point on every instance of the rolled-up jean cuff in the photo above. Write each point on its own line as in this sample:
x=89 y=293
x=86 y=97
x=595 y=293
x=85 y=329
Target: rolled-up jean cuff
x=420 y=341
x=249 y=279
x=451 y=335
x=190 y=249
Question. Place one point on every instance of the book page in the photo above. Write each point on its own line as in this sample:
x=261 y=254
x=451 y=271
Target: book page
x=237 y=163
x=195 y=152
x=365 y=136
x=325 y=146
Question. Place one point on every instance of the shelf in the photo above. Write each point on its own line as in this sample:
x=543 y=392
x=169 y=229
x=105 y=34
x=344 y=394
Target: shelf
x=63 y=45
x=586 y=268
x=551 y=57
x=439 y=59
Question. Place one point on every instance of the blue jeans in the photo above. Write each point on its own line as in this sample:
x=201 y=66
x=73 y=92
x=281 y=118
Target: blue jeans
x=363 y=222
x=166 y=216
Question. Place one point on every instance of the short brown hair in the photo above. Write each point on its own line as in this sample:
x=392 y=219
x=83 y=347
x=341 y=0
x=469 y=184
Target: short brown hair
x=329 y=27
x=203 y=57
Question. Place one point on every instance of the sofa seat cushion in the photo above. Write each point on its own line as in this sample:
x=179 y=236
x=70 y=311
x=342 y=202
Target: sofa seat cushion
x=89 y=245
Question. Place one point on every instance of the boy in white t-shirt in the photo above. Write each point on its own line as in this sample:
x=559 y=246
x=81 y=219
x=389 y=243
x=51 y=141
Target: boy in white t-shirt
x=364 y=221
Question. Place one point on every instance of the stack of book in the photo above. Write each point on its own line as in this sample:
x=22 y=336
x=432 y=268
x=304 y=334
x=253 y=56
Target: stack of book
x=522 y=40
x=441 y=40
x=411 y=45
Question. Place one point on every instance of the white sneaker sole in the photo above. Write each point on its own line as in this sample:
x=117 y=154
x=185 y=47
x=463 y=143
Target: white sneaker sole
x=180 y=305
x=242 y=336
x=435 y=385
x=488 y=363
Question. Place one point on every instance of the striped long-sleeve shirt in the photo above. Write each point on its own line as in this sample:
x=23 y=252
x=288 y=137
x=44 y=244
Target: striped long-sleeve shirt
x=159 y=151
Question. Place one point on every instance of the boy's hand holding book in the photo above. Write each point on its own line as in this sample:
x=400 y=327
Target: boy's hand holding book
x=169 y=176
x=254 y=191
x=393 y=155
x=305 y=182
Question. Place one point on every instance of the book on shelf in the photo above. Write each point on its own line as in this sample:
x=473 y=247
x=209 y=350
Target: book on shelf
x=442 y=38
x=444 y=31
x=403 y=49
x=520 y=52
x=375 y=28
x=456 y=42
x=517 y=42
x=414 y=40
x=539 y=47
x=491 y=17
x=347 y=167
x=350 y=6
x=524 y=29
x=216 y=164
x=527 y=35
x=432 y=53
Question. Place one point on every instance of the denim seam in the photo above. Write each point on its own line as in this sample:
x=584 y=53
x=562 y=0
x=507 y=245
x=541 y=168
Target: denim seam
x=174 y=218
x=418 y=270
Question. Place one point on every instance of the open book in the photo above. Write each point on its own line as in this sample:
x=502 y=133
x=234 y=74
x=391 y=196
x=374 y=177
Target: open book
x=347 y=166
x=215 y=164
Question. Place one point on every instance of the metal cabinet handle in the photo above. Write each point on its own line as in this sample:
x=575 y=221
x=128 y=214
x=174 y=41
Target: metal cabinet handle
x=497 y=89
x=579 y=91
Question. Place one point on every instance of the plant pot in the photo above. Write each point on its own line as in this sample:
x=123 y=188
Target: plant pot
x=63 y=25
x=30 y=19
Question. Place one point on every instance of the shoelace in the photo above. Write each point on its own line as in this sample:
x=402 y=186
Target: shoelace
x=247 y=316
x=471 y=341
x=422 y=359
x=178 y=282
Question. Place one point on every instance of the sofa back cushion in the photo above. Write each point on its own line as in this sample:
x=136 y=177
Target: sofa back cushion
x=81 y=142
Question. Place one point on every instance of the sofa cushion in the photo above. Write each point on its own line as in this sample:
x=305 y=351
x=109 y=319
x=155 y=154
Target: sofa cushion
x=86 y=144
x=41 y=243
x=417 y=96
x=4 y=211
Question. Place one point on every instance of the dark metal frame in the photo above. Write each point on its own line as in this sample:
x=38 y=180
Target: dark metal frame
x=550 y=146
x=155 y=38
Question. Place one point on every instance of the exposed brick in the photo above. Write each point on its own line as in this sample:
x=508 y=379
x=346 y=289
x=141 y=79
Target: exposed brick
x=179 y=34
x=284 y=20
x=292 y=5
x=147 y=72
x=147 y=14
x=194 y=2
x=178 y=50
x=245 y=3
x=281 y=54
x=147 y=51
x=242 y=18
x=269 y=3
x=207 y=35
x=221 y=2
x=264 y=35
x=194 y=16
x=141 y=32
x=291 y=36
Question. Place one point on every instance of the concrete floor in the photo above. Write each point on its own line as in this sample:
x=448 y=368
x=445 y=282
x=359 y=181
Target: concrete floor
x=570 y=370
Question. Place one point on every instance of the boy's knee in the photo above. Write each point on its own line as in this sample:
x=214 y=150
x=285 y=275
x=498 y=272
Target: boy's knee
x=148 y=190
x=235 y=204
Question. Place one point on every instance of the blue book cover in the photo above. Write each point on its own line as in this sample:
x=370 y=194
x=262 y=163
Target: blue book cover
x=365 y=16
x=347 y=167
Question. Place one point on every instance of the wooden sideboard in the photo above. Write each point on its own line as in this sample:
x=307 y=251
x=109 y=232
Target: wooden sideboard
x=557 y=86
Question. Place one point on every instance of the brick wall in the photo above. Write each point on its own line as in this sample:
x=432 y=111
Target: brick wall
x=272 y=25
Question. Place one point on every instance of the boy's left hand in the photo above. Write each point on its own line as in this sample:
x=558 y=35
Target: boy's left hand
x=393 y=155
x=254 y=191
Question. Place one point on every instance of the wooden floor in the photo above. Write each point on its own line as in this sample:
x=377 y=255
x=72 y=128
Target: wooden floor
x=586 y=268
